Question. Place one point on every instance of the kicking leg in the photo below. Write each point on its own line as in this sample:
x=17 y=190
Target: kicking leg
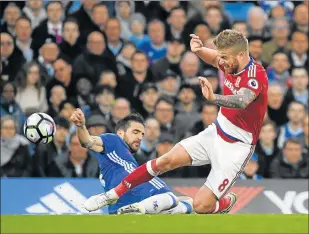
x=176 y=157
x=152 y=205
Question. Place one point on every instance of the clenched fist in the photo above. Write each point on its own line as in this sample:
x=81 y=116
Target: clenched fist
x=196 y=44
x=78 y=118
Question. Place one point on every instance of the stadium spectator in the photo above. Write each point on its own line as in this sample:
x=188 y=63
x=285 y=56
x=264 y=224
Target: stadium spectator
x=291 y=164
x=11 y=14
x=214 y=18
x=113 y=31
x=203 y=31
x=212 y=77
x=305 y=137
x=108 y=78
x=11 y=58
x=257 y=23
x=66 y=108
x=165 y=114
x=35 y=11
x=255 y=49
x=10 y=107
x=169 y=84
x=15 y=157
x=51 y=28
x=78 y=163
x=160 y=9
x=100 y=16
x=45 y=154
x=63 y=76
x=48 y=54
x=137 y=26
x=95 y=59
x=129 y=86
x=104 y=100
x=242 y=27
x=97 y=125
x=121 y=109
x=187 y=110
x=31 y=93
x=148 y=149
x=277 y=105
x=84 y=96
x=208 y=115
x=251 y=169
x=83 y=15
x=294 y=127
x=266 y=148
x=156 y=47
x=171 y=61
x=301 y=18
x=176 y=21
x=278 y=71
x=23 y=37
x=57 y=95
x=298 y=55
x=70 y=45
x=124 y=11
x=299 y=86
x=280 y=39
x=148 y=96
x=124 y=58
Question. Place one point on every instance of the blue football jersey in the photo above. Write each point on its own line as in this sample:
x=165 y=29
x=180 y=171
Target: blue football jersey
x=116 y=162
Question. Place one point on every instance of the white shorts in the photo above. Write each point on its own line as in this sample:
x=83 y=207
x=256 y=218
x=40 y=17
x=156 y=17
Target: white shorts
x=227 y=160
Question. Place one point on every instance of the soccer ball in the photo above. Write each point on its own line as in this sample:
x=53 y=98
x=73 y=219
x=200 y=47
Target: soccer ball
x=40 y=128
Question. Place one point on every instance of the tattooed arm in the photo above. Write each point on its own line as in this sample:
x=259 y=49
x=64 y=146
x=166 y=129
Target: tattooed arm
x=240 y=101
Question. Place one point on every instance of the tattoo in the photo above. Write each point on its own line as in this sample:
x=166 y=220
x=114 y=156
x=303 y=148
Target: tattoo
x=239 y=101
x=89 y=144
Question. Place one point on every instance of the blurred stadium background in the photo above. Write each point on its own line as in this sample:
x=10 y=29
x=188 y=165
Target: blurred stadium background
x=112 y=57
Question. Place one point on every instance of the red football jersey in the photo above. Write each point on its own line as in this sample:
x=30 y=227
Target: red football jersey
x=245 y=124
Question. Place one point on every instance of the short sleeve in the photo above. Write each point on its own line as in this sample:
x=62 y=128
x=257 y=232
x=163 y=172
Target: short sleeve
x=254 y=85
x=109 y=141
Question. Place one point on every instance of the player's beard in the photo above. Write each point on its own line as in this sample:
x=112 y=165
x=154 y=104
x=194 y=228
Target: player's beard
x=130 y=144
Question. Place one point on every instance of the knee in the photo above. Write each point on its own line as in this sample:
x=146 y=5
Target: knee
x=201 y=207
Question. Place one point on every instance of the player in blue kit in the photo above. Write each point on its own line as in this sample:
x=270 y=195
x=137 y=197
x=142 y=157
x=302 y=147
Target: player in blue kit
x=114 y=154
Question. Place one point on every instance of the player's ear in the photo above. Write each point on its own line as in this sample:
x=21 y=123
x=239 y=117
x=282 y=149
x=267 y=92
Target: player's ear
x=120 y=133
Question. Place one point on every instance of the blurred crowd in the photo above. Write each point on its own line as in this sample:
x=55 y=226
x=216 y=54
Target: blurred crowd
x=111 y=58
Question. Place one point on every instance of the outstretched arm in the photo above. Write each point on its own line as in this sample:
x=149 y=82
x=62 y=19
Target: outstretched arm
x=90 y=142
x=238 y=101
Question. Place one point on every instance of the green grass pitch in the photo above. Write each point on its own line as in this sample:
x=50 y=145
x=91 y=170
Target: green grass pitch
x=237 y=223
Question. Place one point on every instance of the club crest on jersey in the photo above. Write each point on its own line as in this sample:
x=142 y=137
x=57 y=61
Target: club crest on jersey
x=253 y=83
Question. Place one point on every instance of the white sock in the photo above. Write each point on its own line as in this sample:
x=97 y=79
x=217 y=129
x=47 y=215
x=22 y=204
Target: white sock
x=160 y=202
x=182 y=208
x=112 y=194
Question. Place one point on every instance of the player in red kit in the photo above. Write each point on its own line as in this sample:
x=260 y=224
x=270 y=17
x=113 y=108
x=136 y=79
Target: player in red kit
x=228 y=143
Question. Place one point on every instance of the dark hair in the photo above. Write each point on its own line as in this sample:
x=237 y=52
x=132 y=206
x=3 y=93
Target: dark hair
x=51 y=2
x=139 y=52
x=70 y=101
x=165 y=99
x=279 y=51
x=71 y=20
x=23 y=17
x=124 y=124
x=8 y=83
x=255 y=38
x=296 y=102
x=238 y=22
x=208 y=103
x=293 y=140
x=98 y=5
x=175 y=9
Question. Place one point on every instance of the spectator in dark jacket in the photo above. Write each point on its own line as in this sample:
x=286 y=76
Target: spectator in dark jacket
x=305 y=137
x=121 y=109
x=70 y=45
x=57 y=95
x=11 y=13
x=291 y=164
x=15 y=157
x=298 y=55
x=11 y=58
x=78 y=163
x=94 y=59
x=113 y=30
x=266 y=148
x=45 y=154
x=10 y=107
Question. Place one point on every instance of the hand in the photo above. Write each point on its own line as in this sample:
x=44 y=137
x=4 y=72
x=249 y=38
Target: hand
x=207 y=89
x=78 y=118
x=195 y=43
